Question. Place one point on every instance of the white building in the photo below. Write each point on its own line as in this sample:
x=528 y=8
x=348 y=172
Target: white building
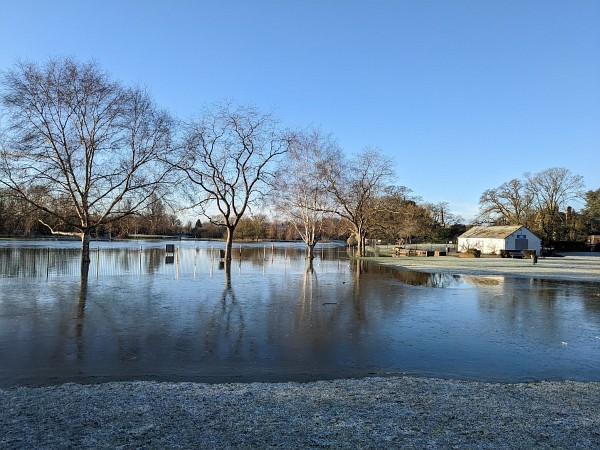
x=490 y=240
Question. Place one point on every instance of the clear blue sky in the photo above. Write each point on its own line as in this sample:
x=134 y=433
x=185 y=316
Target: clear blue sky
x=463 y=94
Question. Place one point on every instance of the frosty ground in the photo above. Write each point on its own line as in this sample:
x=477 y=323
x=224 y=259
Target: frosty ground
x=568 y=267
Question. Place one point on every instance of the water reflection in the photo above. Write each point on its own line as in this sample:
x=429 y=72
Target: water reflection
x=438 y=280
x=272 y=317
x=39 y=261
x=81 y=299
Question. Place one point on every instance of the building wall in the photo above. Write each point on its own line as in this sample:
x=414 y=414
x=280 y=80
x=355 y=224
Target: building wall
x=491 y=246
x=533 y=242
x=486 y=245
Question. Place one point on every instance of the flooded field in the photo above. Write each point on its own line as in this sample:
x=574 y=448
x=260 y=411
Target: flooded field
x=148 y=314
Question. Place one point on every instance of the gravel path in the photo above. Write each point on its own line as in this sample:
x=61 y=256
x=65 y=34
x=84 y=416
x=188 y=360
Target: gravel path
x=398 y=412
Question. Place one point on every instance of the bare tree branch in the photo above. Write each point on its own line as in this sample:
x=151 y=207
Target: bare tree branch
x=225 y=157
x=85 y=140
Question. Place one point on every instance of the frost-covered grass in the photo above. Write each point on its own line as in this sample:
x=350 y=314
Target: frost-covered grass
x=397 y=412
x=575 y=267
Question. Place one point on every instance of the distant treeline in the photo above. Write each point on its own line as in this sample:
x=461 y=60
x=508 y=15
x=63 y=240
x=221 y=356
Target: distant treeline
x=19 y=219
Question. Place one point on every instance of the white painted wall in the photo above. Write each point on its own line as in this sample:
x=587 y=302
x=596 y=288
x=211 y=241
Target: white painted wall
x=491 y=246
x=486 y=245
x=533 y=242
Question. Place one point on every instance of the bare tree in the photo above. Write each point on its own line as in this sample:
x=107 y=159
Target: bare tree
x=301 y=196
x=551 y=190
x=355 y=185
x=16 y=215
x=508 y=204
x=441 y=214
x=540 y=201
x=92 y=145
x=226 y=157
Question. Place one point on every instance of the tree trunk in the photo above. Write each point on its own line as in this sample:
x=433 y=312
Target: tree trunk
x=360 y=244
x=85 y=252
x=310 y=266
x=227 y=267
x=229 y=244
x=311 y=251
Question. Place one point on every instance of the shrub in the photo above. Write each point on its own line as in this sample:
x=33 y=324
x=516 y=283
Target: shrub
x=471 y=253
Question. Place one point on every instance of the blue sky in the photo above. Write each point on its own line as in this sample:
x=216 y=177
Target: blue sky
x=463 y=95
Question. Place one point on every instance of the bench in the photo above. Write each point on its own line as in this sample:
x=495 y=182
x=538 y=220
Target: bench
x=398 y=251
x=517 y=254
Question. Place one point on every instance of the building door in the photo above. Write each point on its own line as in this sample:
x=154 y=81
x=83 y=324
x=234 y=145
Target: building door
x=521 y=244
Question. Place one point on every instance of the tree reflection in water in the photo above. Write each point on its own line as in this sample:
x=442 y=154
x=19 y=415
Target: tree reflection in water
x=276 y=317
x=225 y=328
x=413 y=278
x=81 y=299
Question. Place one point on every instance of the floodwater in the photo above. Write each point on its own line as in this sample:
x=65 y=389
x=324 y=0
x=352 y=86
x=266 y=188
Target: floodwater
x=144 y=314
